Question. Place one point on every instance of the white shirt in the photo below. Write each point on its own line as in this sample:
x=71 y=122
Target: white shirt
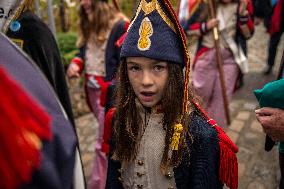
x=145 y=171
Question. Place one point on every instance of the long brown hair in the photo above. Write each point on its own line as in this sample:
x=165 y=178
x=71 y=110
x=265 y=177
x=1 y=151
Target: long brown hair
x=95 y=28
x=127 y=127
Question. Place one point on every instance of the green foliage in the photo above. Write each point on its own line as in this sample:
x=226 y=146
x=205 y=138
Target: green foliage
x=66 y=41
x=71 y=11
x=67 y=47
x=127 y=7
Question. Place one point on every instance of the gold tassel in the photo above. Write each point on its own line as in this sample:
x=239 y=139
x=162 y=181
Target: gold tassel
x=176 y=136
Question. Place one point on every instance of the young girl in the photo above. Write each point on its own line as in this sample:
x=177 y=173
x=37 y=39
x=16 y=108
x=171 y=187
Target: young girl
x=234 y=20
x=161 y=138
x=100 y=26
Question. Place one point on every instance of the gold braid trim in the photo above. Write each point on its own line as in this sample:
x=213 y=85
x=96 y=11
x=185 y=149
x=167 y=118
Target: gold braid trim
x=149 y=8
x=164 y=17
x=185 y=109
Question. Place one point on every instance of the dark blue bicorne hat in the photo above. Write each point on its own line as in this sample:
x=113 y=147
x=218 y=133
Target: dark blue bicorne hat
x=155 y=33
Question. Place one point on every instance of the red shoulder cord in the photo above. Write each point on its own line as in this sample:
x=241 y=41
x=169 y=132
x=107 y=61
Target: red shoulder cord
x=24 y=124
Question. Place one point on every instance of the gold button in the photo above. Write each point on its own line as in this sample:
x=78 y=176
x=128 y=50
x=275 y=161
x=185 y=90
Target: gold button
x=140 y=162
x=120 y=170
x=140 y=174
x=140 y=186
x=169 y=175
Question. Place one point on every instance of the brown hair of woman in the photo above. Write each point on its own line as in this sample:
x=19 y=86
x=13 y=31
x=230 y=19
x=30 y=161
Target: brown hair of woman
x=94 y=26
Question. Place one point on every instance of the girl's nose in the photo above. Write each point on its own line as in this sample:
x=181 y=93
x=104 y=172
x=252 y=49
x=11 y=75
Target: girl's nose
x=147 y=78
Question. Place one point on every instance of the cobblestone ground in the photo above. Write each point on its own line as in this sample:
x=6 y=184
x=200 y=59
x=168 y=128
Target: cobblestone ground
x=257 y=169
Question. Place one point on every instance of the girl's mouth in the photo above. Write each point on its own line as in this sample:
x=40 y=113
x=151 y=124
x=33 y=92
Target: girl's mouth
x=147 y=93
x=147 y=96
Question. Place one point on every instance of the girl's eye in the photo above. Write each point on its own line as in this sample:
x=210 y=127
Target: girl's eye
x=159 y=68
x=134 y=68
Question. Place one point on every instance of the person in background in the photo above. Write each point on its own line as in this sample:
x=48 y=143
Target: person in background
x=38 y=143
x=271 y=12
x=234 y=19
x=31 y=34
x=100 y=26
x=271 y=116
x=272 y=122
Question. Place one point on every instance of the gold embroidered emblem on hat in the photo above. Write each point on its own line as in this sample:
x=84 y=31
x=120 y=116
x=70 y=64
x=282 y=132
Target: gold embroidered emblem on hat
x=145 y=31
x=150 y=7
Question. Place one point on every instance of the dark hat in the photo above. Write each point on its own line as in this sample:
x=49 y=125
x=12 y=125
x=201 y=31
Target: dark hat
x=155 y=33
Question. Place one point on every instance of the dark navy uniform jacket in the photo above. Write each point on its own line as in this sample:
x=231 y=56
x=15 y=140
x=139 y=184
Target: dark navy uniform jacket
x=57 y=155
x=203 y=167
x=40 y=45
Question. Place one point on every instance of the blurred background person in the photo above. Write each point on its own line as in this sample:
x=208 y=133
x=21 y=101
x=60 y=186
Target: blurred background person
x=100 y=26
x=271 y=116
x=234 y=19
x=271 y=12
x=32 y=35
x=38 y=142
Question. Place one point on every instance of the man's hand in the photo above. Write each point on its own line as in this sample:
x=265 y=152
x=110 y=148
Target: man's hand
x=272 y=121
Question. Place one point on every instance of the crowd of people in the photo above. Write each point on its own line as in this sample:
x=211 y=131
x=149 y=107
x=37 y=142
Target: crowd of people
x=156 y=129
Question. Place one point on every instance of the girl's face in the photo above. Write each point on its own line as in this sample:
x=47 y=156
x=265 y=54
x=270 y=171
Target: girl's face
x=87 y=6
x=148 y=79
